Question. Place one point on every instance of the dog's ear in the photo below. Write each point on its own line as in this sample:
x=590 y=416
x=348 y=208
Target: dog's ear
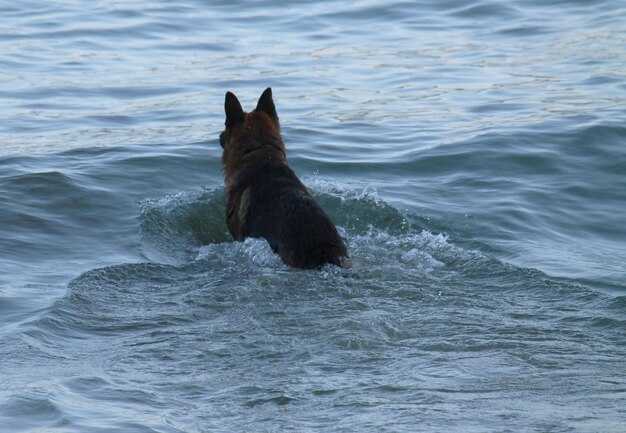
x=234 y=112
x=266 y=104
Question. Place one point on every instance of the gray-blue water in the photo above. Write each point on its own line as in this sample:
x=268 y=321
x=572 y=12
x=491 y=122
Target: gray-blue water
x=471 y=152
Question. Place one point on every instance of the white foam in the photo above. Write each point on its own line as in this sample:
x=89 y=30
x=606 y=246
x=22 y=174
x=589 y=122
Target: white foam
x=171 y=201
x=413 y=251
x=420 y=253
x=252 y=251
x=342 y=190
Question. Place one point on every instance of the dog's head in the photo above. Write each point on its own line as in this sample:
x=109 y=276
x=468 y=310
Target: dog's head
x=254 y=135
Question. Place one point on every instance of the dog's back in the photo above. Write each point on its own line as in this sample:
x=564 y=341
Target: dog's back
x=264 y=197
x=282 y=211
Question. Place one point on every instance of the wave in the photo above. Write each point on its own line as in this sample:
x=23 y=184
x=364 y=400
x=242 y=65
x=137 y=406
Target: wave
x=186 y=226
x=195 y=263
x=230 y=307
x=174 y=226
x=194 y=267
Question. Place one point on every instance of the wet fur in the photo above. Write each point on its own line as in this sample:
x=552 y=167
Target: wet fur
x=264 y=197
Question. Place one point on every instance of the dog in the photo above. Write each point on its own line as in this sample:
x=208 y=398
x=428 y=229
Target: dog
x=264 y=197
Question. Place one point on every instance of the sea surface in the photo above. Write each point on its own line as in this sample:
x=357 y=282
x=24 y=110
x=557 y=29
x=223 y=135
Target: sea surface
x=471 y=152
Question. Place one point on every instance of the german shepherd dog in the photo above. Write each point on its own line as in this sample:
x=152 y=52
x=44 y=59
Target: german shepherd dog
x=264 y=197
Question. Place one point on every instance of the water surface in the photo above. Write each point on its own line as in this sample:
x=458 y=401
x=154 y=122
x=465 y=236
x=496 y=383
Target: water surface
x=472 y=154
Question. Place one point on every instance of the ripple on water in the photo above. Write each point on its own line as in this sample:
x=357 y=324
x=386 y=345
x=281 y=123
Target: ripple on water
x=442 y=132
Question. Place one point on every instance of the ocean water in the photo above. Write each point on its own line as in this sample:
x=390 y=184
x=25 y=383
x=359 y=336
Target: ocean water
x=471 y=152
